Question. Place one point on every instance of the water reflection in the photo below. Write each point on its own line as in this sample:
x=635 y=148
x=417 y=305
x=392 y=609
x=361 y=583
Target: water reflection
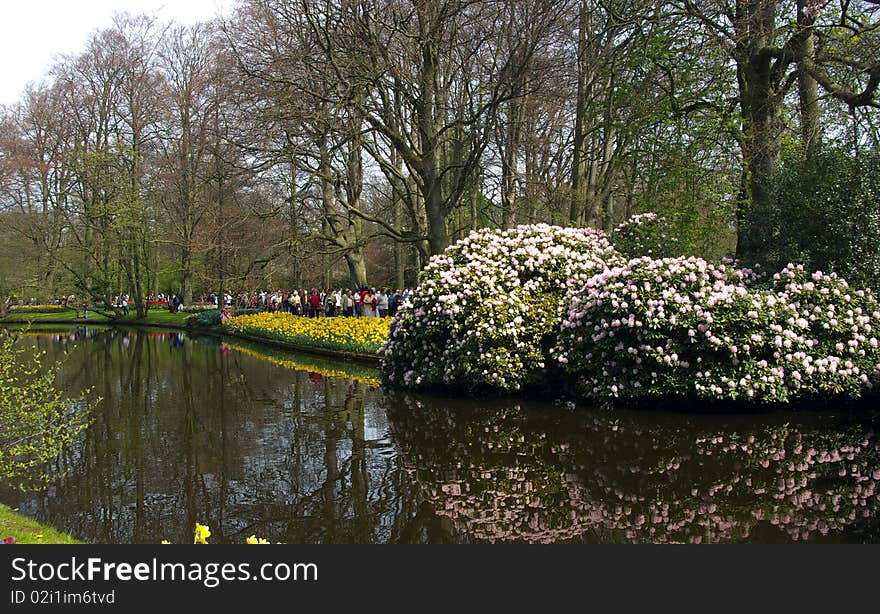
x=508 y=474
x=194 y=431
x=301 y=450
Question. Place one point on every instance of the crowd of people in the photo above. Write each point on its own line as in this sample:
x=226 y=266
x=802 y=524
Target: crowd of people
x=365 y=302
x=314 y=303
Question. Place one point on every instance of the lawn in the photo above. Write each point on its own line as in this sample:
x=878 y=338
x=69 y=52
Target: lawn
x=157 y=317
x=28 y=531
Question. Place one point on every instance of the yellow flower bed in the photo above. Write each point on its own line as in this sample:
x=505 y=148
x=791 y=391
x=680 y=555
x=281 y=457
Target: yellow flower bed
x=349 y=334
x=37 y=308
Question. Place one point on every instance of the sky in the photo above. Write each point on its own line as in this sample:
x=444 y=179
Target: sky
x=34 y=32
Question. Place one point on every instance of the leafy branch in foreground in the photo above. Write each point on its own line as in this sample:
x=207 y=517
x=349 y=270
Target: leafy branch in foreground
x=38 y=421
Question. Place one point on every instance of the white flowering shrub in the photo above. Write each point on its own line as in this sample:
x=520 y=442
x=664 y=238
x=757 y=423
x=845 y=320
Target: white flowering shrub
x=684 y=327
x=486 y=310
x=646 y=234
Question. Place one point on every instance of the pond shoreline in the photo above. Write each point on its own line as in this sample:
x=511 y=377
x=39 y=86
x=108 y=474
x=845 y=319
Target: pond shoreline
x=365 y=359
x=556 y=389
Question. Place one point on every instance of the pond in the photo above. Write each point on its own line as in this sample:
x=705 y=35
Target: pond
x=300 y=450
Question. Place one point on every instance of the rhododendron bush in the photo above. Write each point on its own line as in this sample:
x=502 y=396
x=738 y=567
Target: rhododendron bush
x=499 y=307
x=487 y=310
x=646 y=234
x=684 y=327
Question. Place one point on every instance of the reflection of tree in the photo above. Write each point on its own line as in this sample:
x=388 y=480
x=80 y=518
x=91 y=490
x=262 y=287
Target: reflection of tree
x=503 y=474
x=195 y=434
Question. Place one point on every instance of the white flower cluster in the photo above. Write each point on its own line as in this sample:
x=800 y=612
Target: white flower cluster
x=645 y=234
x=684 y=327
x=486 y=305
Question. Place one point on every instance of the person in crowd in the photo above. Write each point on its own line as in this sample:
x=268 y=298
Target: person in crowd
x=347 y=304
x=395 y=304
x=314 y=303
x=370 y=303
x=358 y=303
x=329 y=304
x=337 y=302
x=72 y=303
x=382 y=303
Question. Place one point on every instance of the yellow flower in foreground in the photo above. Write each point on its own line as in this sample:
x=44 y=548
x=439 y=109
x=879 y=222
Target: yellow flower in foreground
x=253 y=539
x=202 y=534
x=165 y=541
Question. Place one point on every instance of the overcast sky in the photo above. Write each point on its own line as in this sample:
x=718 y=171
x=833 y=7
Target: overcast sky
x=33 y=32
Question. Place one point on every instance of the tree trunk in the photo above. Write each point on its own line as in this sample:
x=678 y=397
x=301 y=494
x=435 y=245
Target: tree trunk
x=808 y=89
x=510 y=163
x=399 y=262
x=186 y=265
x=578 y=160
x=761 y=112
x=357 y=268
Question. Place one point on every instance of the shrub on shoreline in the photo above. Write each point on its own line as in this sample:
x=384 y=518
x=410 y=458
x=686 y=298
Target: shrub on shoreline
x=487 y=309
x=684 y=327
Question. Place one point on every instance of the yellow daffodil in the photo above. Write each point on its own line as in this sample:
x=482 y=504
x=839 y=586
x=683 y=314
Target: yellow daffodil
x=253 y=539
x=165 y=541
x=202 y=534
x=347 y=334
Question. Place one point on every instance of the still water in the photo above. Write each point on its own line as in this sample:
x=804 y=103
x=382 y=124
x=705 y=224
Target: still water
x=299 y=450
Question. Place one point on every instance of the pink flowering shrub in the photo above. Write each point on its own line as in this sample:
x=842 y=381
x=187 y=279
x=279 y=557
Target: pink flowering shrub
x=646 y=234
x=486 y=310
x=684 y=327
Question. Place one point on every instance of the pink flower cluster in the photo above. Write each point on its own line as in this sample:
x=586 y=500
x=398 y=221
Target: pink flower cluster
x=685 y=327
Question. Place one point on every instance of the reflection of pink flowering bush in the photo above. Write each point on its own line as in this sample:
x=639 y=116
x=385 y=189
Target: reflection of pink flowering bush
x=484 y=307
x=513 y=475
x=686 y=327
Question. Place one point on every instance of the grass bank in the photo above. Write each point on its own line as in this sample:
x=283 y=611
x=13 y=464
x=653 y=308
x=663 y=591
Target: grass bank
x=66 y=316
x=28 y=531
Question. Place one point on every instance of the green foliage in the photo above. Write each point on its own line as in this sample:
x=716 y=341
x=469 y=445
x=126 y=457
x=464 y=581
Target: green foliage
x=211 y=317
x=28 y=531
x=646 y=234
x=204 y=318
x=37 y=420
x=825 y=214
